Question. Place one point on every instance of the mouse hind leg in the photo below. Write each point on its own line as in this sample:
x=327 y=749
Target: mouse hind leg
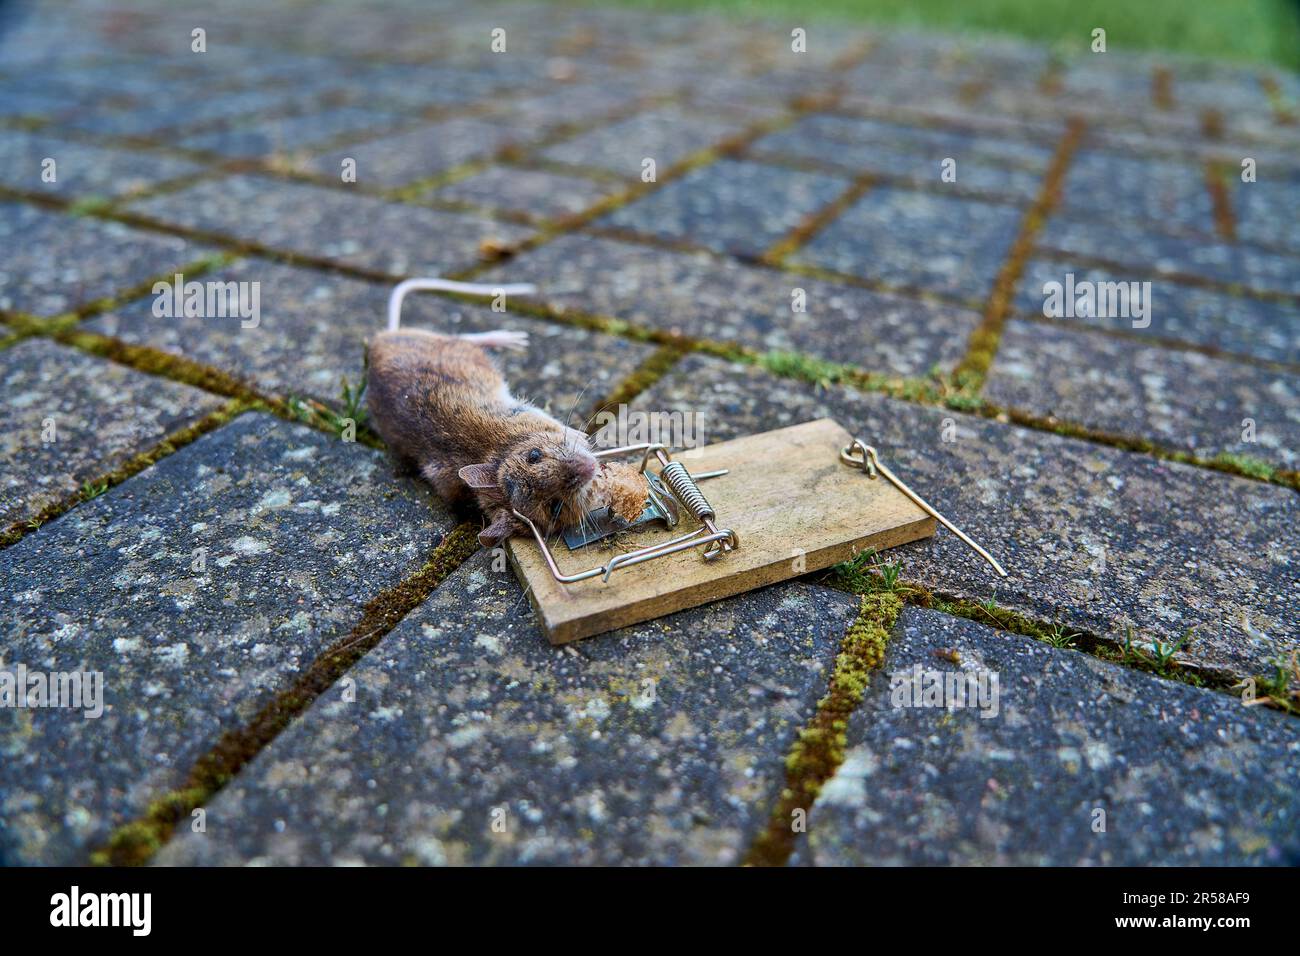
x=498 y=339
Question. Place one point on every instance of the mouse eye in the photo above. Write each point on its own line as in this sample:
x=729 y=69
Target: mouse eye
x=534 y=456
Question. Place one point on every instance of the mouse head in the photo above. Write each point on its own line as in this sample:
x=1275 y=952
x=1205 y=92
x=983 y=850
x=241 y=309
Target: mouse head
x=543 y=476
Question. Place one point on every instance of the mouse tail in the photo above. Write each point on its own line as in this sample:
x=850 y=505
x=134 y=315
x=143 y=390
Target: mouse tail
x=446 y=285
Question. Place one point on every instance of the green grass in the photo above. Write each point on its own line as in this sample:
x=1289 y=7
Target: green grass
x=1261 y=31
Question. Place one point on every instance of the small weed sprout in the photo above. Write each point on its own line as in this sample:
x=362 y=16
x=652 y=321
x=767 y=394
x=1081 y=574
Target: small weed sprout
x=1059 y=637
x=1163 y=653
x=865 y=573
x=91 y=490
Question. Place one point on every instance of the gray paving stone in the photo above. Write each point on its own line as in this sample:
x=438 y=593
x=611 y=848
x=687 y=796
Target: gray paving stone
x=333 y=224
x=708 y=297
x=1093 y=537
x=1149 y=191
x=419 y=86
x=1177 y=399
x=1145 y=250
x=1268 y=210
x=917 y=240
x=313 y=327
x=158 y=119
x=730 y=206
x=81 y=169
x=1184 y=776
x=666 y=136
x=534 y=192
x=546 y=112
x=662 y=744
x=1230 y=323
x=288 y=135
x=914 y=154
x=95 y=415
x=301 y=530
x=402 y=158
x=129 y=75
x=34 y=96
x=952 y=115
x=54 y=263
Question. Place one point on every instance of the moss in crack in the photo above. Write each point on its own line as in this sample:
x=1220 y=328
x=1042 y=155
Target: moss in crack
x=984 y=341
x=815 y=221
x=136 y=842
x=1244 y=465
x=655 y=367
x=154 y=361
x=90 y=206
x=819 y=749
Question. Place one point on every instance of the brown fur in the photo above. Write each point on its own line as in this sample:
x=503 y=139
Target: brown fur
x=442 y=403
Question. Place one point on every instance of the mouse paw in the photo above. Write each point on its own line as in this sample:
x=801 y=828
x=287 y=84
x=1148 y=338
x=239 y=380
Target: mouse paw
x=499 y=339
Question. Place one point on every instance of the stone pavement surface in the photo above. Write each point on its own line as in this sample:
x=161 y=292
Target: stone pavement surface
x=1060 y=292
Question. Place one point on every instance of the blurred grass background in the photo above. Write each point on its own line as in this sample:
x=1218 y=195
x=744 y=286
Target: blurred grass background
x=1260 y=31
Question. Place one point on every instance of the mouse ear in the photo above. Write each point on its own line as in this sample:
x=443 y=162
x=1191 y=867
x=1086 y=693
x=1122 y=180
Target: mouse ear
x=502 y=527
x=479 y=476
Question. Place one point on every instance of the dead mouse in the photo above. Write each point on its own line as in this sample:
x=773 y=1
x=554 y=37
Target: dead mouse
x=442 y=402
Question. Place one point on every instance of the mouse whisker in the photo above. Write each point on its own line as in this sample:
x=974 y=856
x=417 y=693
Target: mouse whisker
x=576 y=399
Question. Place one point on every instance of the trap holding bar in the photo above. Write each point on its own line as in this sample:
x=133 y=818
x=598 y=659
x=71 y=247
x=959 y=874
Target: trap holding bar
x=684 y=488
x=861 y=455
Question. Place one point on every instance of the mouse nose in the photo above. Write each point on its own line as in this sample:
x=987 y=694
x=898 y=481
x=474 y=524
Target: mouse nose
x=584 y=468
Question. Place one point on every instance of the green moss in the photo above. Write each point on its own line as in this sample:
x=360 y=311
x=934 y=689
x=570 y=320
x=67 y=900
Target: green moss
x=89 y=206
x=819 y=749
x=984 y=341
x=813 y=223
x=655 y=367
x=1244 y=465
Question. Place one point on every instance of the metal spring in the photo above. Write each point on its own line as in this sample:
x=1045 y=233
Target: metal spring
x=675 y=475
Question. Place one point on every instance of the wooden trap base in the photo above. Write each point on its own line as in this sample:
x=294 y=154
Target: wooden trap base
x=795 y=506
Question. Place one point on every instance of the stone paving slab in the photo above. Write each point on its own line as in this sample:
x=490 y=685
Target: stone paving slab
x=1184 y=776
x=412 y=86
x=1268 y=210
x=71 y=417
x=658 y=744
x=1178 y=399
x=918 y=241
x=313 y=327
x=301 y=530
x=1235 y=324
x=666 y=136
x=38 y=98
x=700 y=295
x=1146 y=191
x=533 y=115
x=287 y=135
x=55 y=262
x=1093 y=537
x=1157 y=254
x=741 y=208
x=952 y=115
x=332 y=224
x=916 y=154
x=81 y=170
x=159 y=120
x=399 y=159
x=537 y=193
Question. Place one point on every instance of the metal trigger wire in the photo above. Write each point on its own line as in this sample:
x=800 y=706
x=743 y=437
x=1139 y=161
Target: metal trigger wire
x=861 y=455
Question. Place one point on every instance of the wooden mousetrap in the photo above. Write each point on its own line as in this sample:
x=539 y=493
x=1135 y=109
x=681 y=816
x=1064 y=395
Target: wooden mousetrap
x=788 y=502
